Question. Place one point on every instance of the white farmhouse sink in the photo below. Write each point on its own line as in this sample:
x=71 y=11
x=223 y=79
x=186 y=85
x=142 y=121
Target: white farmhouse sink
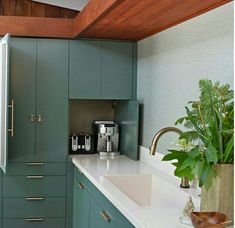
x=137 y=187
x=148 y=190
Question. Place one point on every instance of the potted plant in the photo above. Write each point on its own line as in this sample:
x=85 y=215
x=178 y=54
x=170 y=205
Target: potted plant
x=207 y=147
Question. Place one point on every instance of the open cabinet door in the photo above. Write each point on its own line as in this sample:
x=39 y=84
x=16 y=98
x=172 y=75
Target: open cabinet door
x=127 y=115
x=4 y=78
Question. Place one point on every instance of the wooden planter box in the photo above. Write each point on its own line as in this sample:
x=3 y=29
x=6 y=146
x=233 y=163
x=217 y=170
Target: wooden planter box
x=220 y=196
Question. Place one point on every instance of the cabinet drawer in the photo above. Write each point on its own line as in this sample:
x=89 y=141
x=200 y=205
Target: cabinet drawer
x=44 y=223
x=36 y=168
x=24 y=186
x=23 y=208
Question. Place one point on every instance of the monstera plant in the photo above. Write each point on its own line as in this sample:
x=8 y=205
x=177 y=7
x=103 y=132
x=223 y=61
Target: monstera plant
x=209 y=139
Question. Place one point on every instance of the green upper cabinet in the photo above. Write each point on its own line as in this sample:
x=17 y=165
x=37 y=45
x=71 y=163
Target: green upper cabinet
x=52 y=100
x=23 y=92
x=39 y=87
x=117 y=70
x=85 y=69
x=102 y=70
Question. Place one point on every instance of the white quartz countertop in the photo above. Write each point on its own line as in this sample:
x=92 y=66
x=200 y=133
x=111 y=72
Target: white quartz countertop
x=167 y=207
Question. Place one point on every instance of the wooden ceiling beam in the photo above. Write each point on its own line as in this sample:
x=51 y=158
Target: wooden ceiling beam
x=36 y=27
x=94 y=11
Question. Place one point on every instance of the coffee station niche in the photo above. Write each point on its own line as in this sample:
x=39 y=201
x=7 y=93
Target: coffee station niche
x=106 y=127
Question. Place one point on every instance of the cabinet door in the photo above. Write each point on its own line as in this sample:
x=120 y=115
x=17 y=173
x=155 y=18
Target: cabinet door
x=22 y=91
x=85 y=69
x=117 y=70
x=81 y=206
x=127 y=115
x=97 y=217
x=52 y=100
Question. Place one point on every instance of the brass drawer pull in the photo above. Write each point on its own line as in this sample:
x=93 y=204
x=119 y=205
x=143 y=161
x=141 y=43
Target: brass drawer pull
x=80 y=185
x=34 y=198
x=12 y=106
x=34 y=220
x=34 y=177
x=39 y=118
x=105 y=216
x=31 y=118
x=35 y=163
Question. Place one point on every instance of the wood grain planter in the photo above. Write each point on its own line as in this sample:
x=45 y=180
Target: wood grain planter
x=220 y=196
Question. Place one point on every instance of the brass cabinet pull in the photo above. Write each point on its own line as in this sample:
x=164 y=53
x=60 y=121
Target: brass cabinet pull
x=80 y=185
x=39 y=118
x=34 y=219
x=105 y=216
x=34 y=177
x=34 y=198
x=35 y=163
x=31 y=118
x=12 y=106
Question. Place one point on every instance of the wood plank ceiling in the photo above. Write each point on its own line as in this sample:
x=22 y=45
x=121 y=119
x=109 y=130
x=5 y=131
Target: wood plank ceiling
x=109 y=19
x=28 y=8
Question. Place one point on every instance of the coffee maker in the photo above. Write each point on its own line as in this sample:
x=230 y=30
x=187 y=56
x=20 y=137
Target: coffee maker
x=107 y=138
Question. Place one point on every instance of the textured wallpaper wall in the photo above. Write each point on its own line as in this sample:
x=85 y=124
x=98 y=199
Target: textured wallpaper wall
x=171 y=63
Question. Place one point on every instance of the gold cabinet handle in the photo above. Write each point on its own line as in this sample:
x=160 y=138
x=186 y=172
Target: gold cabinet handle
x=80 y=185
x=39 y=118
x=34 y=198
x=34 y=177
x=105 y=216
x=34 y=219
x=31 y=119
x=35 y=163
x=12 y=106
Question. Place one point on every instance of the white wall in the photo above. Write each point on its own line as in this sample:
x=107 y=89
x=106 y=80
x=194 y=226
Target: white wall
x=171 y=63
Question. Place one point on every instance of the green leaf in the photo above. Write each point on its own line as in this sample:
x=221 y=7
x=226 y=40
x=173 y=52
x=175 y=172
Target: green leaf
x=189 y=136
x=180 y=120
x=228 y=153
x=195 y=152
x=187 y=172
x=174 y=154
x=188 y=162
x=204 y=170
x=211 y=154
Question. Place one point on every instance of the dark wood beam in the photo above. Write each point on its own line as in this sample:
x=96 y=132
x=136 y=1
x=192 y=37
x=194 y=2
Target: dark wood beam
x=36 y=27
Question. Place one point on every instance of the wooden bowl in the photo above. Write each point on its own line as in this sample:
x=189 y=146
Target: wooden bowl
x=209 y=219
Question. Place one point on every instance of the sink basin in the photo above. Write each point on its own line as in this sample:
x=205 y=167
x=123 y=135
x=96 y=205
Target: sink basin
x=139 y=188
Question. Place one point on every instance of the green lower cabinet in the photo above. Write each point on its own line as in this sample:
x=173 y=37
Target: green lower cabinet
x=40 y=223
x=100 y=218
x=81 y=206
x=92 y=209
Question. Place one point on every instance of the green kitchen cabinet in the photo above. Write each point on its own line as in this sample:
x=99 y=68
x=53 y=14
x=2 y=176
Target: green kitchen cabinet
x=81 y=205
x=39 y=87
x=85 y=69
x=22 y=86
x=102 y=70
x=52 y=100
x=99 y=218
x=117 y=70
x=92 y=209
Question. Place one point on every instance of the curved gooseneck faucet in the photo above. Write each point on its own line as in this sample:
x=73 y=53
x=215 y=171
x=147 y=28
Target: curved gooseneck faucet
x=153 y=148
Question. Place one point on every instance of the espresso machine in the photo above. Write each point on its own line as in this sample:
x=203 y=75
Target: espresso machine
x=107 y=138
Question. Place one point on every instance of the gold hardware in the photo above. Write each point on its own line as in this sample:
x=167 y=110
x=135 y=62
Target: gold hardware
x=153 y=147
x=80 y=185
x=35 y=163
x=34 y=220
x=105 y=216
x=39 y=118
x=12 y=106
x=34 y=198
x=34 y=177
x=158 y=135
x=31 y=118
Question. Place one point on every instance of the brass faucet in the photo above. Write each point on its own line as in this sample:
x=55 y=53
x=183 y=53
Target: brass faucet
x=153 y=147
